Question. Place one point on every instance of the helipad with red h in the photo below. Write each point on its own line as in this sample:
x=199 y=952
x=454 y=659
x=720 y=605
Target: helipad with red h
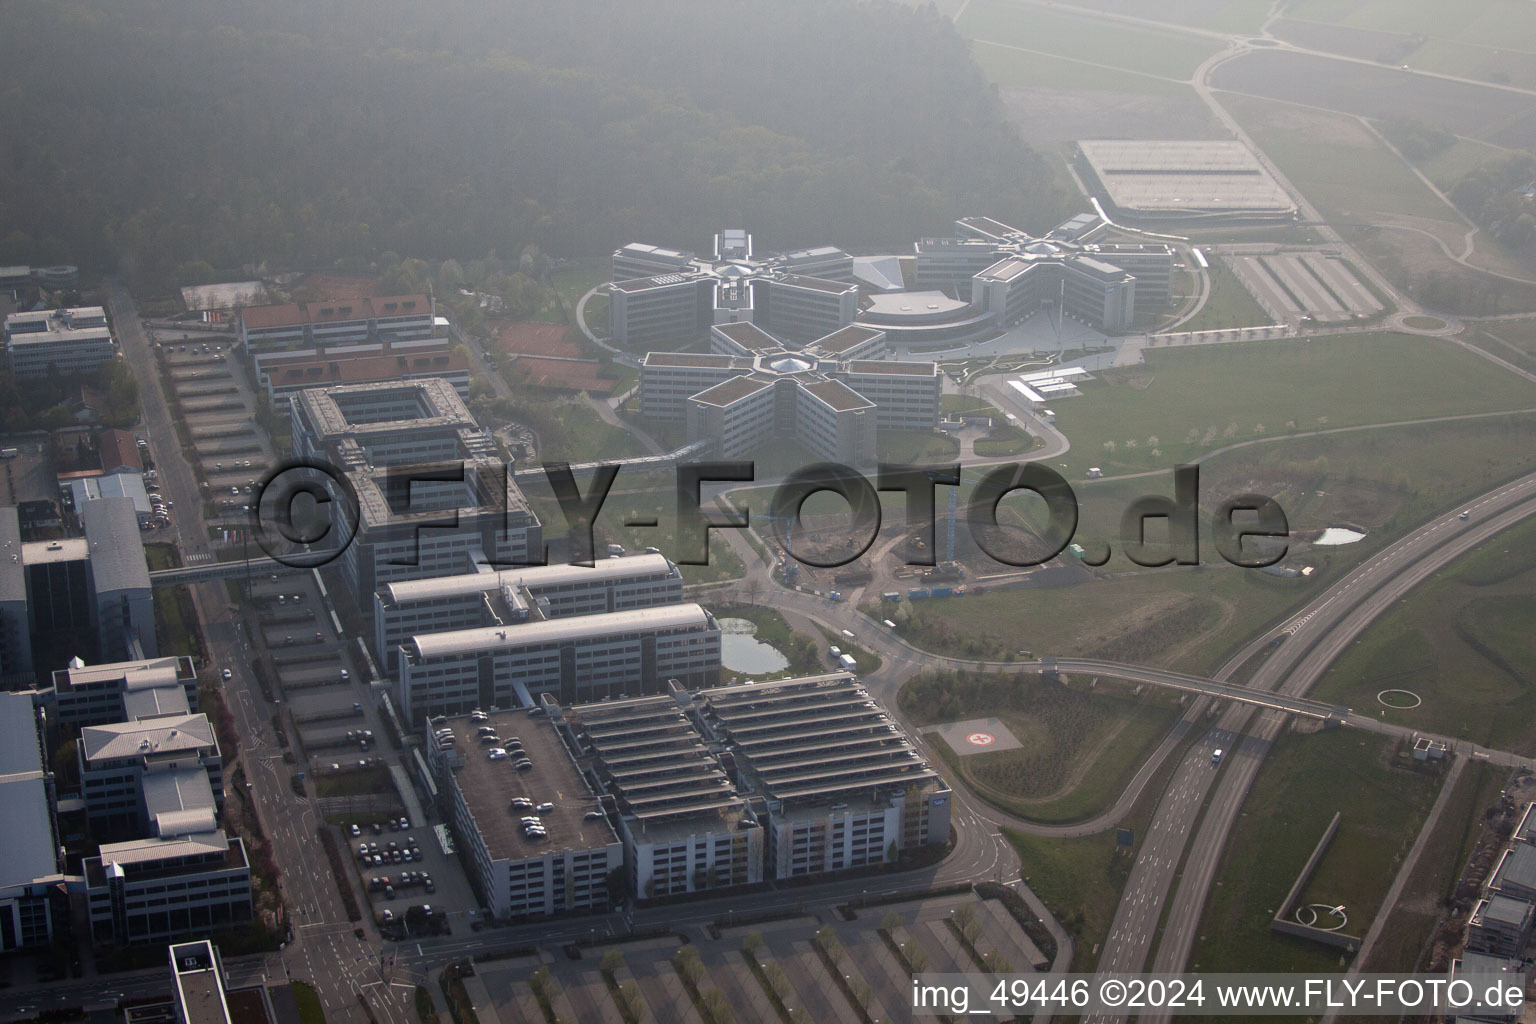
x=977 y=736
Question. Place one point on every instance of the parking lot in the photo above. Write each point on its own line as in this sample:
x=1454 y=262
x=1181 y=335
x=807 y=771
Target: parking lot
x=795 y=960
x=1308 y=286
x=206 y=381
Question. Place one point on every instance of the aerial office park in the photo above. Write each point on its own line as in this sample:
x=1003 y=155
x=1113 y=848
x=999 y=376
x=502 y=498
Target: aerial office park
x=909 y=713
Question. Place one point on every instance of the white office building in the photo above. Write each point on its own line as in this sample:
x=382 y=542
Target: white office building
x=66 y=342
x=576 y=659
x=497 y=597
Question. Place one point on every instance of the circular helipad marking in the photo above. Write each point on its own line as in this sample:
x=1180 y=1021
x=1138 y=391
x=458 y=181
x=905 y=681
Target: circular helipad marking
x=1398 y=699
x=981 y=739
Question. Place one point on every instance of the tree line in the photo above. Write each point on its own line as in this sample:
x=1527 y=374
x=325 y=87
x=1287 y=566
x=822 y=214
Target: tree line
x=289 y=134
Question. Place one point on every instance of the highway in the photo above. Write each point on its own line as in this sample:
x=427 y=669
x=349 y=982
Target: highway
x=1313 y=638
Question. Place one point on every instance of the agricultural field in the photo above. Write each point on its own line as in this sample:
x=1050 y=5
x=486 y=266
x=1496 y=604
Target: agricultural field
x=1243 y=16
x=1420 y=52
x=1384 y=796
x=1494 y=23
x=1184 y=403
x=1498 y=116
x=1167 y=54
x=1462 y=644
x=1080 y=745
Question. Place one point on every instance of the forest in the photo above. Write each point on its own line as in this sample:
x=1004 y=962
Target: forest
x=282 y=134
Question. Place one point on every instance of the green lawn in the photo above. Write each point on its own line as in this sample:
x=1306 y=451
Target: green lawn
x=1183 y=402
x=1080 y=745
x=310 y=1010
x=1230 y=304
x=1384 y=801
x=359 y=782
x=1385 y=481
x=804 y=653
x=1463 y=642
x=1169 y=54
x=909 y=447
x=571 y=283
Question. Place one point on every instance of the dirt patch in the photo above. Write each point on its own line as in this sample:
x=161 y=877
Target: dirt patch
x=1129 y=377
x=336 y=286
x=531 y=339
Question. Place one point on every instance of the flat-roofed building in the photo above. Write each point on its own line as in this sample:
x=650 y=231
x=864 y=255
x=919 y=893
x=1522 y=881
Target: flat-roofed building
x=30 y=871
x=1482 y=971
x=669 y=379
x=129 y=486
x=638 y=260
x=905 y=394
x=388 y=423
x=843 y=785
x=69 y=341
x=500 y=597
x=336 y=322
x=1515 y=873
x=827 y=262
x=563 y=866
x=1184 y=180
x=576 y=659
x=802 y=309
x=123 y=607
x=136 y=773
x=437 y=519
x=124 y=691
x=1500 y=925
x=685 y=828
x=199 y=976
x=156 y=889
x=669 y=309
x=284 y=374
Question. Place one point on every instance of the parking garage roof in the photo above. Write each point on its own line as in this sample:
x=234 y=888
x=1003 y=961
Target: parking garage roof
x=656 y=765
x=488 y=788
x=817 y=738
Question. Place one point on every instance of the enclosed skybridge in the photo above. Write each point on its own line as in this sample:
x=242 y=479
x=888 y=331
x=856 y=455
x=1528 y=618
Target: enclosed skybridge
x=210 y=571
x=1331 y=713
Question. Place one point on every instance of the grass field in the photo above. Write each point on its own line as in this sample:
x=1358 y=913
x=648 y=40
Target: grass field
x=1245 y=16
x=1405 y=940
x=1463 y=642
x=1230 y=304
x=1311 y=777
x=1501 y=24
x=1383 y=481
x=1169 y=54
x=1183 y=402
x=1009 y=65
x=1080 y=746
x=906 y=447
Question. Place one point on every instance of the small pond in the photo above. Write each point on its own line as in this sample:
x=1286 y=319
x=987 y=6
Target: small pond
x=741 y=650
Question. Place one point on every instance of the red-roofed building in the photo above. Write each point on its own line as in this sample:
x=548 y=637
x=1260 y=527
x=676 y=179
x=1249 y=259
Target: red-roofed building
x=336 y=322
x=285 y=374
x=119 y=452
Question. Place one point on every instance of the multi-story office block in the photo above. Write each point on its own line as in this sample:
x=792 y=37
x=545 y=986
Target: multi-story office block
x=152 y=775
x=581 y=658
x=30 y=871
x=502 y=597
x=336 y=322
x=390 y=423
x=802 y=309
x=15 y=624
x=57 y=341
x=153 y=890
x=124 y=691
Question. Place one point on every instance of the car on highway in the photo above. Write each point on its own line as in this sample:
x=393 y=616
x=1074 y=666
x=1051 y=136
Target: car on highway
x=1465 y=516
